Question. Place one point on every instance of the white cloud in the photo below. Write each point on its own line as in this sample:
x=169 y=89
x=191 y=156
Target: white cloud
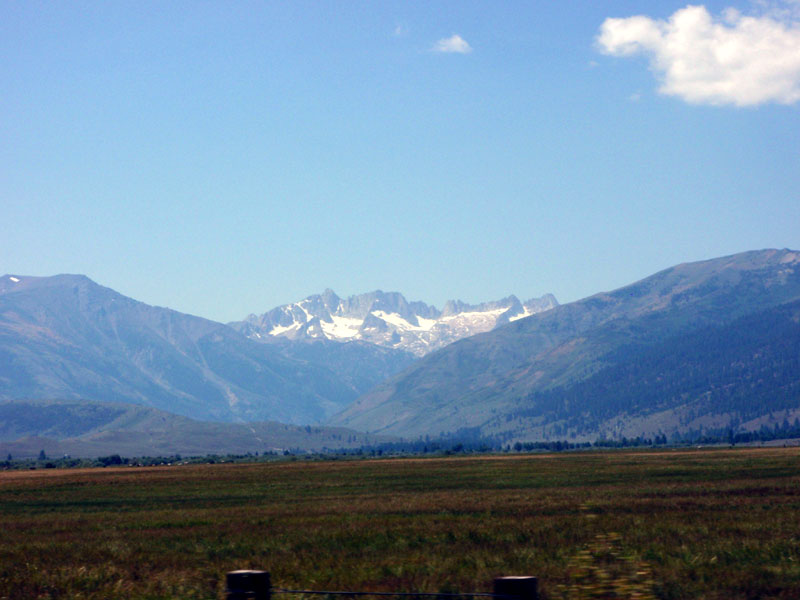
x=455 y=43
x=740 y=60
x=400 y=30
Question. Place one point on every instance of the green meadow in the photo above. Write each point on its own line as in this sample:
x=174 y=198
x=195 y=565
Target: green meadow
x=667 y=524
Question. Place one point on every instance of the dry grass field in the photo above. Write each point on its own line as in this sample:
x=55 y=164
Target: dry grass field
x=669 y=524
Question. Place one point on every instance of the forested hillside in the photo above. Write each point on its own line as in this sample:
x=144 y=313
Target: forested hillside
x=734 y=373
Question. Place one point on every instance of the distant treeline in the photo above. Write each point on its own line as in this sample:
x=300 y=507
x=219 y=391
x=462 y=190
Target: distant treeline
x=783 y=431
x=447 y=446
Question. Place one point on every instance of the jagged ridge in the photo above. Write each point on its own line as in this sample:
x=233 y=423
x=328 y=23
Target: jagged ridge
x=387 y=319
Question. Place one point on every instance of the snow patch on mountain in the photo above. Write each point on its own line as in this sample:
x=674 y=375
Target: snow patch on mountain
x=387 y=319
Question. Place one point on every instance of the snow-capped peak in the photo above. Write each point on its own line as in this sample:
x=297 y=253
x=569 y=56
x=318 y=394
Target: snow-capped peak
x=387 y=319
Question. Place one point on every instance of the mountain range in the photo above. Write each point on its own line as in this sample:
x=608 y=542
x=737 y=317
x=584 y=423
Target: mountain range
x=563 y=374
x=699 y=347
x=66 y=337
x=387 y=319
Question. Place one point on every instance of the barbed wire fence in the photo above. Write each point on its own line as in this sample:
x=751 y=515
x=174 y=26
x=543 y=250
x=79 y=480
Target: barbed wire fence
x=257 y=585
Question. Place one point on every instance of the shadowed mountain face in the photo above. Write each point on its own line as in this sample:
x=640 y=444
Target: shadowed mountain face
x=67 y=337
x=743 y=374
x=494 y=378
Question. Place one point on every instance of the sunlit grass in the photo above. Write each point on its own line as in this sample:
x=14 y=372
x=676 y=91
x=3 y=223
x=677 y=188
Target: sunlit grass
x=699 y=524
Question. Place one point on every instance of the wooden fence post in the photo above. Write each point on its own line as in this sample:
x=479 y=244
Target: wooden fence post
x=518 y=588
x=248 y=585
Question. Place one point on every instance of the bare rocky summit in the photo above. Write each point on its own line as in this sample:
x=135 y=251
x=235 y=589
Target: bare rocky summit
x=387 y=319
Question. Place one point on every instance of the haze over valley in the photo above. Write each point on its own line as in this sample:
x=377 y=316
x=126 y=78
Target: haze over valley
x=700 y=347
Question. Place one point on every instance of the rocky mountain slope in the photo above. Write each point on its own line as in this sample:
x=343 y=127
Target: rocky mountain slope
x=387 y=319
x=495 y=383
x=68 y=337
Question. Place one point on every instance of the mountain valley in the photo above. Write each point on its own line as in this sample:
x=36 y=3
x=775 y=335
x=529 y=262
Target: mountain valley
x=484 y=384
x=89 y=429
x=66 y=337
x=700 y=347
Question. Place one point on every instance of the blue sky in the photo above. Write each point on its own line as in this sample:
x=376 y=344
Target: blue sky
x=224 y=158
